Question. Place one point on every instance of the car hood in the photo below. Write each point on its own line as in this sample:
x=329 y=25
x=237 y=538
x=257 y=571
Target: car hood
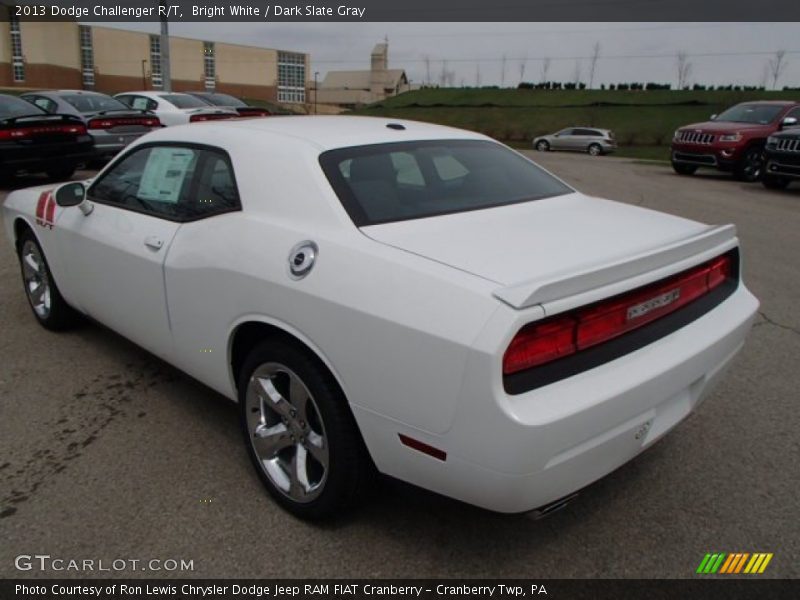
x=724 y=126
x=543 y=239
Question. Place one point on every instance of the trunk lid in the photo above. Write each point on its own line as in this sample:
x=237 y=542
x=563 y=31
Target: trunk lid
x=549 y=249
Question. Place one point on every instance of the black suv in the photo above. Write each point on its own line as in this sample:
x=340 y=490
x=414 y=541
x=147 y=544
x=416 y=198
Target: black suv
x=782 y=158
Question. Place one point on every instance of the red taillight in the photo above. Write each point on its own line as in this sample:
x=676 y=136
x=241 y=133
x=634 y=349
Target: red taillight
x=583 y=328
x=199 y=118
x=109 y=123
x=28 y=132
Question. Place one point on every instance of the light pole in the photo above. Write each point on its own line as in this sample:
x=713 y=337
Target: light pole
x=316 y=90
x=166 y=73
x=144 y=74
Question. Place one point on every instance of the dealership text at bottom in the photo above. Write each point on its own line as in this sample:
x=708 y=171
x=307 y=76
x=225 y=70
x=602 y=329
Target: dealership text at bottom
x=342 y=590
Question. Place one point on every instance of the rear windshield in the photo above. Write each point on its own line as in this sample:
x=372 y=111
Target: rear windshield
x=223 y=100
x=382 y=183
x=184 y=101
x=12 y=107
x=760 y=114
x=92 y=103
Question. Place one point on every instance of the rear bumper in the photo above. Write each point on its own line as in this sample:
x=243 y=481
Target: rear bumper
x=14 y=157
x=517 y=453
x=109 y=144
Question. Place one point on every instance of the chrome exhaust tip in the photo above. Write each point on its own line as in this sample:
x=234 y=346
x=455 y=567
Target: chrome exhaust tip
x=549 y=509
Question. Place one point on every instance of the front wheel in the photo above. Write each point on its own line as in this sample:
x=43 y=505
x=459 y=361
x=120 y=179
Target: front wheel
x=775 y=183
x=684 y=169
x=49 y=308
x=542 y=146
x=751 y=166
x=300 y=434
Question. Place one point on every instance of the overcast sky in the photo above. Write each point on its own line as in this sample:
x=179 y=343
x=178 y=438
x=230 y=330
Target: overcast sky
x=734 y=52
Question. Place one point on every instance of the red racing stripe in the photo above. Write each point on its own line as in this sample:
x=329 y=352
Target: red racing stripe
x=40 y=205
x=51 y=209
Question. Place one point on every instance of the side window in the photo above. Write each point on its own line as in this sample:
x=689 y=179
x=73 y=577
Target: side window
x=564 y=132
x=216 y=190
x=583 y=132
x=141 y=103
x=45 y=104
x=171 y=182
x=795 y=112
x=152 y=180
x=125 y=99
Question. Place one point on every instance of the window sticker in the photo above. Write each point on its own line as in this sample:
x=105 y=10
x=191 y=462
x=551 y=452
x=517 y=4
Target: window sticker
x=164 y=174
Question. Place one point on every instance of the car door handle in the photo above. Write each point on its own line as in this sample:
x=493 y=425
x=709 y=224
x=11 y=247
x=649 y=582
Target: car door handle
x=154 y=242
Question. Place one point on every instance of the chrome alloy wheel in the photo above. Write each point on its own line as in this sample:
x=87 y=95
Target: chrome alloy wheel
x=286 y=432
x=34 y=276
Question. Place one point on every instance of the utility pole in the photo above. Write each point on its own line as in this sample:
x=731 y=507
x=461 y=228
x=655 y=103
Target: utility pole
x=316 y=90
x=166 y=77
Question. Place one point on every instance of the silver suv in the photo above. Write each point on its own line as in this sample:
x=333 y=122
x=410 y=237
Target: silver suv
x=578 y=139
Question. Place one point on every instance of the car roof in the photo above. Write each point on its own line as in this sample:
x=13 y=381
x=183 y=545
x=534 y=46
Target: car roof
x=774 y=102
x=320 y=132
x=150 y=93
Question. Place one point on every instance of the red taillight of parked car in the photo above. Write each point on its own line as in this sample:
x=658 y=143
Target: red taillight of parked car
x=200 y=118
x=577 y=330
x=104 y=123
x=253 y=112
x=17 y=133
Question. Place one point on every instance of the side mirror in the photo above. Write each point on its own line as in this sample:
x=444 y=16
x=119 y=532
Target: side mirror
x=73 y=194
x=713 y=117
x=789 y=122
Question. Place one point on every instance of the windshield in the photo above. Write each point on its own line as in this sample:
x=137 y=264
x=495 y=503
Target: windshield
x=760 y=114
x=92 y=103
x=223 y=100
x=12 y=107
x=184 y=101
x=382 y=183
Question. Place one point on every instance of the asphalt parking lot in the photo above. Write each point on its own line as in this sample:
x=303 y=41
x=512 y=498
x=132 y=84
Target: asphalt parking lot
x=106 y=452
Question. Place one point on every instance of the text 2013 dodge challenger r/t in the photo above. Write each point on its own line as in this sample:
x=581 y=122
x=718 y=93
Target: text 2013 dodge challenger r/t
x=396 y=295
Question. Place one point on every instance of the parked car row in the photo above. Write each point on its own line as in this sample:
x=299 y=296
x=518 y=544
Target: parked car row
x=753 y=140
x=55 y=131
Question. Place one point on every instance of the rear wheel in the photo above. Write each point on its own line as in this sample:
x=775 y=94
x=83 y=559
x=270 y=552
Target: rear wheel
x=61 y=172
x=775 y=183
x=542 y=146
x=595 y=149
x=751 y=166
x=49 y=308
x=300 y=434
x=684 y=169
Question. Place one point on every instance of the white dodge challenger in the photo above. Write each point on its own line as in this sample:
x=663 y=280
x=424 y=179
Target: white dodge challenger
x=397 y=295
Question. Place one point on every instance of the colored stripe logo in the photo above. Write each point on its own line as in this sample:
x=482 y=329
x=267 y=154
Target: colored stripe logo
x=46 y=210
x=734 y=563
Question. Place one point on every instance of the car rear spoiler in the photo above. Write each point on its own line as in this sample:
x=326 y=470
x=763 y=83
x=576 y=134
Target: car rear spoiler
x=708 y=243
x=45 y=118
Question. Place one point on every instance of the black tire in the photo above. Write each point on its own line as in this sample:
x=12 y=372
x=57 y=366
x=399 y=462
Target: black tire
x=773 y=182
x=595 y=149
x=542 y=146
x=58 y=315
x=349 y=470
x=684 y=169
x=751 y=166
x=61 y=172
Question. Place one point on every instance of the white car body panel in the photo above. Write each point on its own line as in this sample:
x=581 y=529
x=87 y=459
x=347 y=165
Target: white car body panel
x=411 y=318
